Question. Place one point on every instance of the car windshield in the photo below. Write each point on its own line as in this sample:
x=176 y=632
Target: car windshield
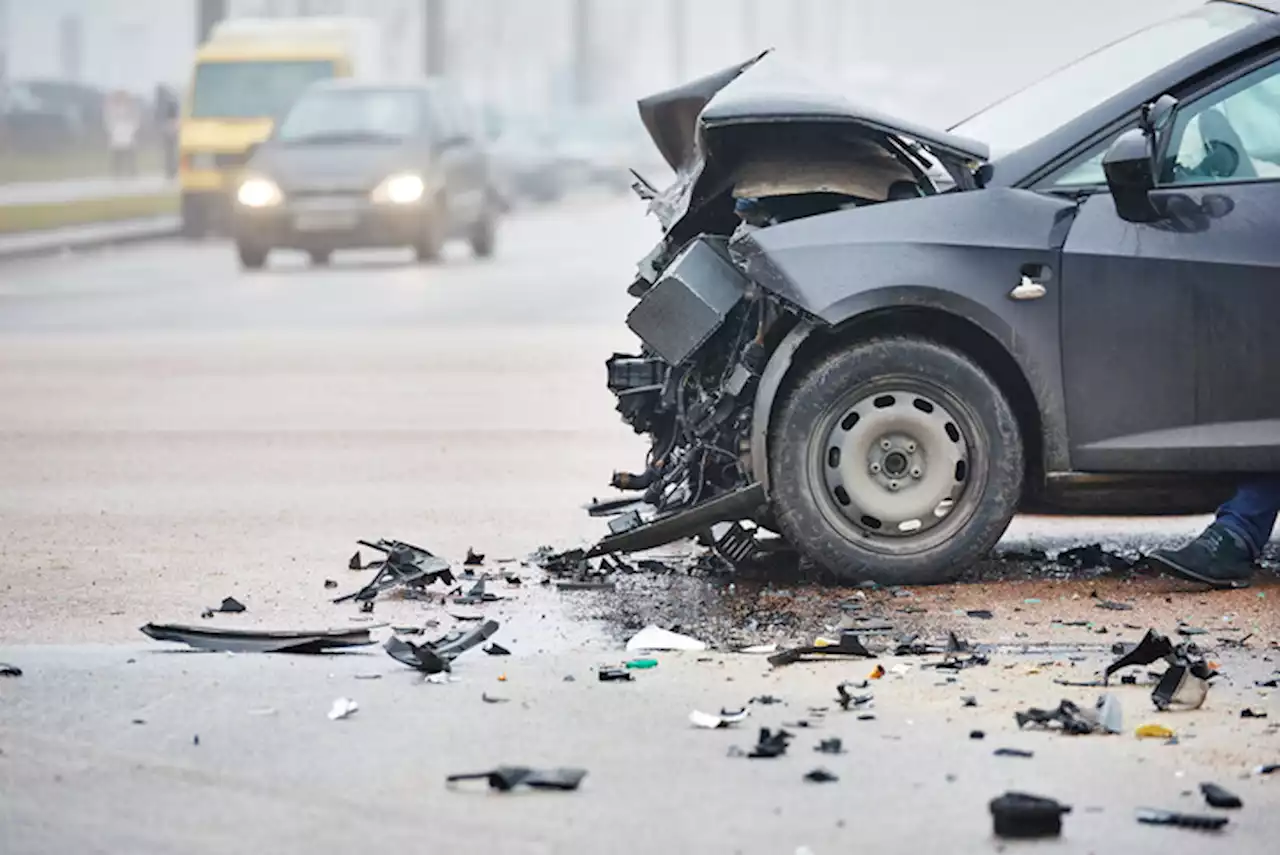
x=335 y=115
x=1047 y=105
x=252 y=90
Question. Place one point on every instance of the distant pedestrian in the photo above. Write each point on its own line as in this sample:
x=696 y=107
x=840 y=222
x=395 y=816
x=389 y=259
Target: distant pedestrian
x=123 y=119
x=167 y=110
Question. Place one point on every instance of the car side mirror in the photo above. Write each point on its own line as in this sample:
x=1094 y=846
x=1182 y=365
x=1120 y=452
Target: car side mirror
x=1131 y=176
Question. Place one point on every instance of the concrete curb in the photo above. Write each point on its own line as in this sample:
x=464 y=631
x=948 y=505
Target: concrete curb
x=77 y=238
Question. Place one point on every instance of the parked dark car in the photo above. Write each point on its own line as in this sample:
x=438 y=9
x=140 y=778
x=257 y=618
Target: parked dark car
x=368 y=165
x=1076 y=313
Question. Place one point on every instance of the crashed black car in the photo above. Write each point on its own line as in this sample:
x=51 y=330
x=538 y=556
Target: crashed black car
x=881 y=340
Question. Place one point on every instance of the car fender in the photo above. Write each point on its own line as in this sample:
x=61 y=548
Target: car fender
x=962 y=254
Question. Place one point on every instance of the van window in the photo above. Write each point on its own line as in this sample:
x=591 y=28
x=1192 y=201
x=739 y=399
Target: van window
x=253 y=90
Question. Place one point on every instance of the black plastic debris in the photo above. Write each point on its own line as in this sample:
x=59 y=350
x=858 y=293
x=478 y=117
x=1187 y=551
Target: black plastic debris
x=253 y=641
x=495 y=649
x=1220 y=797
x=848 y=700
x=969 y=701
x=476 y=595
x=491 y=699
x=1186 y=682
x=1092 y=557
x=355 y=563
x=7 y=670
x=821 y=776
x=437 y=656
x=830 y=746
x=1129 y=679
x=956 y=644
x=1020 y=815
x=1198 y=822
x=231 y=606
x=959 y=663
x=1251 y=713
x=331 y=583
x=977 y=734
x=770 y=744
x=1112 y=605
x=507 y=778
x=403 y=565
x=765 y=700
x=614 y=674
x=1269 y=769
x=980 y=614
x=1013 y=752
x=366 y=607
x=849 y=644
x=1067 y=715
x=1273 y=683
x=1185 y=630
x=473 y=559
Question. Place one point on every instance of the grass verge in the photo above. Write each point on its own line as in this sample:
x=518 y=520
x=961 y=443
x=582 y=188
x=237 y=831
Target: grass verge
x=56 y=215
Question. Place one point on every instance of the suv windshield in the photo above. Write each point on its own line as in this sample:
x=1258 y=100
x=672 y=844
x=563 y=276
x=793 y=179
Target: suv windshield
x=1047 y=105
x=252 y=90
x=353 y=114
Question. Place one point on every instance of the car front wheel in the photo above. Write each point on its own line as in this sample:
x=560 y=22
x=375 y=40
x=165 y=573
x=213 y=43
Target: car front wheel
x=252 y=257
x=897 y=460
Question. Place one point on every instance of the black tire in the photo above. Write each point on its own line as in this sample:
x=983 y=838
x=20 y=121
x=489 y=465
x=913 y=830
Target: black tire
x=430 y=242
x=484 y=234
x=320 y=257
x=823 y=522
x=252 y=257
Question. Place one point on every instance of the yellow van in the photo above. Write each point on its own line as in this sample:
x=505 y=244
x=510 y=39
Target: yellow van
x=246 y=76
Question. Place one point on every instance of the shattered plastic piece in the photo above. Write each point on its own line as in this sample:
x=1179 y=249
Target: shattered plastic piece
x=405 y=565
x=981 y=614
x=1249 y=713
x=1183 y=629
x=726 y=718
x=655 y=638
x=969 y=701
x=1154 y=816
x=770 y=744
x=955 y=644
x=821 y=776
x=355 y=563
x=253 y=641
x=614 y=675
x=641 y=664
x=7 y=670
x=901 y=669
x=436 y=656
x=1153 y=731
x=765 y=700
x=1219 y=797
x=959 y=663
x=1180 y=688
x=849 y=644
x=1110 y=714
x=1269 y=769
x=1013 y=752
x=507 y=778
x=495 y=649
x=1019 y=815
x=231 y=606
x=366 y=607
x=846 y=700
x=830 y=746
x=1114 y=606
x=977 y=734
x=331 y=583
x=342 y=708
x=877 y=673
x=473 y=558
x=491 y=699
x=1067 y=714
x=1273 y=683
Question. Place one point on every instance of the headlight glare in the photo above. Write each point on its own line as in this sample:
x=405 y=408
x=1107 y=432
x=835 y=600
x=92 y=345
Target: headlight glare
x=259 y=193
x=401 y=189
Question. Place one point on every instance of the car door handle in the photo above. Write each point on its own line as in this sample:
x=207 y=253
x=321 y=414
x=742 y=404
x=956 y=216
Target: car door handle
x=1033 y=284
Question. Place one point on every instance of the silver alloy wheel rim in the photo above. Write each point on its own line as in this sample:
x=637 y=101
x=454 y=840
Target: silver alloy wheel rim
x=895 y=463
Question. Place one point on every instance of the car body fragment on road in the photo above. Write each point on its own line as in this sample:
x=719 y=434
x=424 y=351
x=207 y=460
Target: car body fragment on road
x=256 y=641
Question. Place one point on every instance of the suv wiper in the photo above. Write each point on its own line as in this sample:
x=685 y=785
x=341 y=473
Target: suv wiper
x=343 y=137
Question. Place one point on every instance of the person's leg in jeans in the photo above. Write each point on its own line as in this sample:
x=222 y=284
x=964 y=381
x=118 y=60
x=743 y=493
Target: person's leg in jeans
x=1224 y=555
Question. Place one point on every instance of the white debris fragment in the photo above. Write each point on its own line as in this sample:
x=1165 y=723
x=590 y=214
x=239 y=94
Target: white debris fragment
x=709 y=721
x=342 y=708
x=657 y=638
x=766 y=649
x=900 y=669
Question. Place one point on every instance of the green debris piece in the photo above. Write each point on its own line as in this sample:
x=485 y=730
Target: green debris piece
x=1031 y=601
x=643 y=663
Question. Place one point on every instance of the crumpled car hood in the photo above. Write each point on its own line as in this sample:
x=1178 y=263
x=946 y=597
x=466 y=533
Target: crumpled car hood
x=683 y=121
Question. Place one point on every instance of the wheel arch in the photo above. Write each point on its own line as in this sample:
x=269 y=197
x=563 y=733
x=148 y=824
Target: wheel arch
x=809 y=341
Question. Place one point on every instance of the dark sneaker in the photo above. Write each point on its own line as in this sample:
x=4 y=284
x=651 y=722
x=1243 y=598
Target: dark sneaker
x=1219 y=557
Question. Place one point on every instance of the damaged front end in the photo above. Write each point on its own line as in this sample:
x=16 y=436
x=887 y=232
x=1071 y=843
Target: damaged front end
x=752 y=147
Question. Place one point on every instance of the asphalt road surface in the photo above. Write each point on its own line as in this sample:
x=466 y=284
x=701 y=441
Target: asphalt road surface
x=174 y=431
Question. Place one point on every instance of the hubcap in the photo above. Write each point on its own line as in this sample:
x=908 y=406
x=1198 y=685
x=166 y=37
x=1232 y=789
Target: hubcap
x=895 y=463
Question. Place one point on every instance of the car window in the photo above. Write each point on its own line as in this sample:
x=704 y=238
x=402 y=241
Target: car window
x=1230 y=134
x=252 y=90
x=1086 y=170
x=359 y=113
